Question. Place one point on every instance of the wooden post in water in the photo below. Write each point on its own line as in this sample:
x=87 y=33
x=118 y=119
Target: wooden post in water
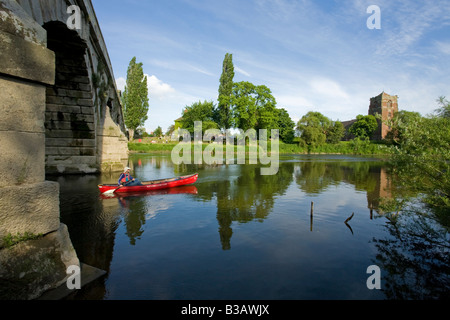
x=311 y=216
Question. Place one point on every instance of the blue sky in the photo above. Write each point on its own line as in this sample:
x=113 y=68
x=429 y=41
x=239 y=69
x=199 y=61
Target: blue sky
x=313 y=55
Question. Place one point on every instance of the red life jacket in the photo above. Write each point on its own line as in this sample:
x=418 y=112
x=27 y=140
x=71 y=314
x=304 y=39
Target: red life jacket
x=126 y=177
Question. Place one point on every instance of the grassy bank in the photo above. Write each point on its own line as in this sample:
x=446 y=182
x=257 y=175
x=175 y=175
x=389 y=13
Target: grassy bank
x=344 y=147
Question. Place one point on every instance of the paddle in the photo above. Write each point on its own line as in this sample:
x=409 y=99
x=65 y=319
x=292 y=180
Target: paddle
x=111 y=191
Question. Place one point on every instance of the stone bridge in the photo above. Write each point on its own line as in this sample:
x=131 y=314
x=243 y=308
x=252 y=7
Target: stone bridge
x=84 y=130
x=60 y=114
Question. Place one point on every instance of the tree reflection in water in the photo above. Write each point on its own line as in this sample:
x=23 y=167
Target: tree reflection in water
x=416 y=258
x=413 y=254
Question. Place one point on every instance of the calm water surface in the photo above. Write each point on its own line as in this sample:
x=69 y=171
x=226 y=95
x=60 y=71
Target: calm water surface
x=238 y=235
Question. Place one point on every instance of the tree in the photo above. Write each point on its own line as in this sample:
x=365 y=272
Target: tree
x=199 y=111
x=364 y=126
x=335 y=132
x=313 y=128
x=170 y=130
x=223 y=113
x=422 y=158
x=135 y=97
x=158 y=132
x=398 y=125
x=444 y=109
x=253 y=107
x=285 y=125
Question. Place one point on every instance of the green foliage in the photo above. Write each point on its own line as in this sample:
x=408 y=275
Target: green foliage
x=444 y=110
x=343 y=147
x=316 y=129
x=149 y=148
x=254 y=107
x=422 y=157
x=10 y=240
x=364 y=126
x=285 y=125
x=135 y=97
x=335 y=132
x=223 y=114
x=399 y=125
x=199 y=111
x=170 y=130
x=158 y=132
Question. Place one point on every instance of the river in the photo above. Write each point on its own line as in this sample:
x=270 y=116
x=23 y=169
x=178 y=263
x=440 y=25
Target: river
x=236 y=234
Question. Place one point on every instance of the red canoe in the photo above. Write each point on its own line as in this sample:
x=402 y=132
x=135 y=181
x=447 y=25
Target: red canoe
x=151 y=185
x=178 y=190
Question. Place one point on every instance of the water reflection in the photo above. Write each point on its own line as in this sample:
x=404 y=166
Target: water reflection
x=412 y=254
x=244 y=196
x=136 y=208
x=315 y=177
x=416 y=258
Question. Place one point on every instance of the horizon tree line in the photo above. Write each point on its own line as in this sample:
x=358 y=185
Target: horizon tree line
x=246 y=106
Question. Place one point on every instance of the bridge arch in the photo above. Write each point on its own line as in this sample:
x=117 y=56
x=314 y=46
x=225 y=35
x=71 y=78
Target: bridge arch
x=84 y=127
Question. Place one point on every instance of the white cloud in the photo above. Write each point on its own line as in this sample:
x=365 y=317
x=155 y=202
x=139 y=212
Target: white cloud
x=243 y=72
x=328 y=87
x=443 y=47
x=180 y=66
x=120 y=83
x=412 y=21
x=157 y=88
x=293 y=102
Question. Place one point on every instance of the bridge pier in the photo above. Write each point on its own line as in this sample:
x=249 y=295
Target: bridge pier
x=29 y=205
x=61 y=113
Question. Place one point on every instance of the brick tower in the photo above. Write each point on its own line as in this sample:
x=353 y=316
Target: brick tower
x=385 y=105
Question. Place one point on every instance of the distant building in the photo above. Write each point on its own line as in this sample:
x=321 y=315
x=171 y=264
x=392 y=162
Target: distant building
x=347 y=124
x=387 y=106
x=383 y=104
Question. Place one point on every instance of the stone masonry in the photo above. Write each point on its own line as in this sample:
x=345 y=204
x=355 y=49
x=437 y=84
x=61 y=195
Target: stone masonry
x=83 y=95
x=386 y=106
x=29 y=205
x=61 y=113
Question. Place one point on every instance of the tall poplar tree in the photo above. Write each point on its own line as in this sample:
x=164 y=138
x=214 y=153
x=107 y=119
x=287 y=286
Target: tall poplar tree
x=223 y=112
x=135 y=97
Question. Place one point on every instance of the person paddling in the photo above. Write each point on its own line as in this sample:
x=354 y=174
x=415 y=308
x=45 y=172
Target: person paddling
x=126 y=179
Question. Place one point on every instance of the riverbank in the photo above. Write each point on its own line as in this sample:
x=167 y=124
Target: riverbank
x=355 y=147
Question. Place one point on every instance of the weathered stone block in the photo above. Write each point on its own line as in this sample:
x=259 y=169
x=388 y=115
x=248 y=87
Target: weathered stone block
x=79 y=94
x=32 y=208
x=67 y=142
x=85 y=87
x=64 y=116
x=18 y=22
x=85 y=102
x=49 y=133
x=87 y=110
x=22 y=157
x=62 y=108
x=27 y=60
x=70 y=125
x=22 y=106
x=30 y=268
